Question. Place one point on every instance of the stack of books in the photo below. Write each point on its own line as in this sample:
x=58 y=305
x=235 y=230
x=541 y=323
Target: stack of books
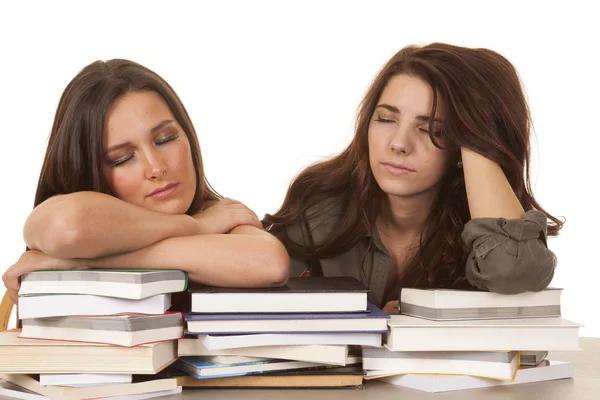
x=297 y=335
x=90 y=333
x=462 y=338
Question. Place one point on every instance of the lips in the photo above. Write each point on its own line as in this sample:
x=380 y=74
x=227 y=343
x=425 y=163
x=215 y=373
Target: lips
x=396 y=166
x=163 y=191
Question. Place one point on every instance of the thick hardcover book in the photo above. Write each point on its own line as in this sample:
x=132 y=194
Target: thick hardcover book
x=122 y=330
x=299 y=295
x=447 y=304
x=126 y=284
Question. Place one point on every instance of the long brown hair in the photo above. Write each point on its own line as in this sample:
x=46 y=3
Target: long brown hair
x=73 y=160
x=485 y=110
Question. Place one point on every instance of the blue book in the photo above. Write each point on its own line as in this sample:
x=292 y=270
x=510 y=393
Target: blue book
x=205 y=368
x=374 y=320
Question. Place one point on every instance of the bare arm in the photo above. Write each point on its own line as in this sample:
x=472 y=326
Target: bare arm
x=488 y=191
x=91 y=225
x=246 y=257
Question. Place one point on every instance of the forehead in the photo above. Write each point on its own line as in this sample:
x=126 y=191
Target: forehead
x=135 y=112
x=410 y=94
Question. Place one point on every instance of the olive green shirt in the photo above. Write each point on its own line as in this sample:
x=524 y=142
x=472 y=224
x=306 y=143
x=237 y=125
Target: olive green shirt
x=508 y=256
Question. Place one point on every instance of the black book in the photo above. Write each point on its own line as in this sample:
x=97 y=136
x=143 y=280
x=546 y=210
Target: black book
x=299 y=295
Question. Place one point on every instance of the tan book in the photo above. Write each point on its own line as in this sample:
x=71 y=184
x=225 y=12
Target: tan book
x=325 y=378
x=33 y=356
x=63 y=393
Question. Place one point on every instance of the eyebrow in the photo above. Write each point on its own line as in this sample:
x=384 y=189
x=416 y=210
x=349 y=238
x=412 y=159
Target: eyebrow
x=155 y=129
x=395 y=110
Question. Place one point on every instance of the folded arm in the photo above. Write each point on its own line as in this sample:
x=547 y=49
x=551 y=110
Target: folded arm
x=246 y=257
x=91 y=225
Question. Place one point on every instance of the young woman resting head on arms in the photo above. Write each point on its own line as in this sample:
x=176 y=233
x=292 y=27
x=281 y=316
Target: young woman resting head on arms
x=433 y=191
x=122 y=186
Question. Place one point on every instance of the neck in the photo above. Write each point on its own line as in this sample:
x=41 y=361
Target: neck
x=402 y=216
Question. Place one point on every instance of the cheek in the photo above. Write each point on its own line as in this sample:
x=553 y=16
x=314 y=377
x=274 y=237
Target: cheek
x=437 y=163
x=121 y=182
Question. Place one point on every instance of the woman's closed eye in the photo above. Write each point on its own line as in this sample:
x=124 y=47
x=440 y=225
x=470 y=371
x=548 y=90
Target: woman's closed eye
x=384 y=120
x=166 y=139
x=121 y=160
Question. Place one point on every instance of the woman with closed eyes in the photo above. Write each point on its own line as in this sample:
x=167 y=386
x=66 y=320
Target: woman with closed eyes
x=433 y=191
x=122 y=186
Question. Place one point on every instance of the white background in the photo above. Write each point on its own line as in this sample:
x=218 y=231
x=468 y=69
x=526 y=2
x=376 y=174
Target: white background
x=274 y=86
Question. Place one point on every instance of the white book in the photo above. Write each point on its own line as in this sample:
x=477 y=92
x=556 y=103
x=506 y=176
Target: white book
x=58 y=305
x=125 y=284
x=220 y=342
x=326 y=354
x=123 y=330
x=84 y=380
x=489 y=364
x=530 y=334
x=448 y=304
x=546 y=371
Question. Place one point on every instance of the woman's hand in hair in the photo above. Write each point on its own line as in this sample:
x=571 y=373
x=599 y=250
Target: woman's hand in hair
x=223 y=215
x=34 y=260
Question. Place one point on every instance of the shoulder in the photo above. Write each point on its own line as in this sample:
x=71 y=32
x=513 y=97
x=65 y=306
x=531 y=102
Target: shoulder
x=319 y=220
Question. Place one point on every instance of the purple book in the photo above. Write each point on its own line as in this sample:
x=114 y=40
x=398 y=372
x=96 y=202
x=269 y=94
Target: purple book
x=374 y=320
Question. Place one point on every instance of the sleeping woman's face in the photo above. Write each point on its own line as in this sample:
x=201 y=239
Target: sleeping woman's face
x=147 y=160
x=403 y=159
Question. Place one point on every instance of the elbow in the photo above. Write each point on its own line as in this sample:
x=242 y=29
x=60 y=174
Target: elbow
x=519 y=277
x=61 y=235
x=278 y=264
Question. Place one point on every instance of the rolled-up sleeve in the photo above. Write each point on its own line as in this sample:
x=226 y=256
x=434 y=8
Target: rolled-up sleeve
x=509 y=255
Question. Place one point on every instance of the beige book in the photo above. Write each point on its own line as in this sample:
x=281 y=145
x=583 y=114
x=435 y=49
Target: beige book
x=62 y=393
x=33 y=356
x=335 y=355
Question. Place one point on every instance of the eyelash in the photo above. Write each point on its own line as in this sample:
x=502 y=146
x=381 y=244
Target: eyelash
x=123 y=160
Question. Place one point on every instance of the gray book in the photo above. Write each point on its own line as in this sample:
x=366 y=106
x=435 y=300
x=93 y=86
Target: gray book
x=123 y=330
x=126 y=284
x=448 y=305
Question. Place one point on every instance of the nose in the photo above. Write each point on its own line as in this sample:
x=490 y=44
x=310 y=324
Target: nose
x=155 y=166
x=402 y=140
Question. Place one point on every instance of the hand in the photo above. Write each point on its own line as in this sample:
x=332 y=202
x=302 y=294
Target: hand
x=391 y=307
x=223 y=215
x=34 y=260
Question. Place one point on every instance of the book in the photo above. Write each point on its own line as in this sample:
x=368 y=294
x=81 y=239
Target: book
x=299 y=295
x=12 y=391
x=83 y=380
x=203 y=368
x=546 y=371
x=489 y=364
x=334 y=355
x=530 y=334
x=343 y=377
x=121 y=330
x=373 y=321
x=448 y=304
x=121 y=283
x=219 y=342
x=59 y=305
x=32 y=356
x=532 y=357
x=62 y=393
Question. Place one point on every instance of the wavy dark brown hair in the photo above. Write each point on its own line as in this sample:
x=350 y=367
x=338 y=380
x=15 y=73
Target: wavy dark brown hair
x=73 y=160
x=485 y=111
